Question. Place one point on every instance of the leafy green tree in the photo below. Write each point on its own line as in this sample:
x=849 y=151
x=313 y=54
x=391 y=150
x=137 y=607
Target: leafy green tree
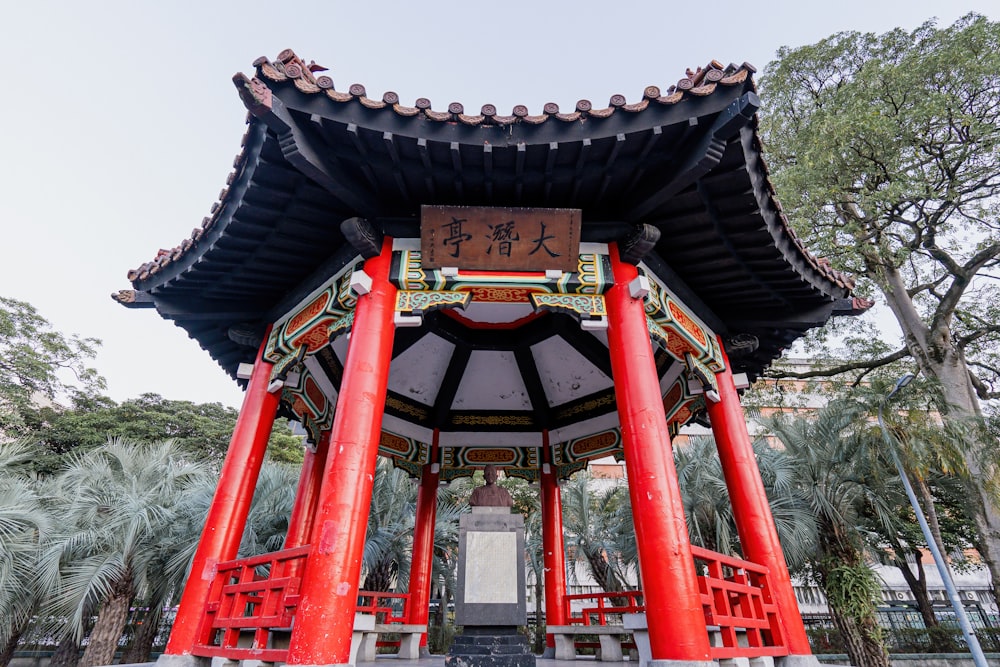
x=203 y=429
x=38 y=363
x=885 y=153
x=116 y=503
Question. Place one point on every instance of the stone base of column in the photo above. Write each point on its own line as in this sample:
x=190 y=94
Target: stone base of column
x=549 y=653
x=166 y=660
x=490 y=646
x=682 y=663
x=797 y=661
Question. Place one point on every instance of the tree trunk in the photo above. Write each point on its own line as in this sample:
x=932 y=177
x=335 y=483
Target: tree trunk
x=918 y=586
x=939 y=358
x=108 y=629
x=67 y=653
x=850 y=598
x=381 y=577
x=930 y=511
x=142 y=643
x=539 y=615
x=7 y=652
x=859 y=635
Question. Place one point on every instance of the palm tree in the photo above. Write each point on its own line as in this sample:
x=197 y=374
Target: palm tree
x=24 y=522
x=709 y=512
x=842 y=480
x=707 y=509
x=270 y=509
x=592 y=519
x=388 y=541
x=116 y=503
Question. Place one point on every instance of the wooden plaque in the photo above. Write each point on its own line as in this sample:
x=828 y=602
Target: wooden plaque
x=485 y=238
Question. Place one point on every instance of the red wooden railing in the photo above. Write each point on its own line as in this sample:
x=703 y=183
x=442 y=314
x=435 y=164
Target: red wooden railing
x=606 y=604
x=252 y=599
x=736 y=597
x=386 y=607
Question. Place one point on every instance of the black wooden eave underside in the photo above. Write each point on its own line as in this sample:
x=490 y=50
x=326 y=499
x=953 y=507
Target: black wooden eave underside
x=278 y=233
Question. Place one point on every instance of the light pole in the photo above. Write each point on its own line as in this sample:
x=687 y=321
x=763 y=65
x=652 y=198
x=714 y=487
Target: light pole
x=942 y=566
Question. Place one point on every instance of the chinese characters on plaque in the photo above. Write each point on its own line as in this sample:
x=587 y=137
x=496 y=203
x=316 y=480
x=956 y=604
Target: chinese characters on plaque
x=499 y=239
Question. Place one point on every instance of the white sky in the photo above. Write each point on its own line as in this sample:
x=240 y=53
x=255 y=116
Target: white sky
x=120 y=122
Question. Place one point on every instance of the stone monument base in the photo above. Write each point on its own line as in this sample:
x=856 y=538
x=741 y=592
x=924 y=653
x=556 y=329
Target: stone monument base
x=490 y=646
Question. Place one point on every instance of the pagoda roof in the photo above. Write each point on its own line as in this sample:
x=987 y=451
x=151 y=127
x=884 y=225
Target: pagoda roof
x=686 y=160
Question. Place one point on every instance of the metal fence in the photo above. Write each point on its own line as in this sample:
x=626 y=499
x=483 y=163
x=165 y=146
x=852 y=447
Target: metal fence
x=904 y=630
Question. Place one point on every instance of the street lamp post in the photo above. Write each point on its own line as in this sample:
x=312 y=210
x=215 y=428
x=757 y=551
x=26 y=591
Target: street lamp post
x=963 y=620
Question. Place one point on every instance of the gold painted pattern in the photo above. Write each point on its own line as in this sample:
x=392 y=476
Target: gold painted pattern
x=587 y=406
x=491 y=420
x=406 y=408
x=688 y=324
x=490 y=456
x=394 y=443
x=595 y=443
x=298 y=322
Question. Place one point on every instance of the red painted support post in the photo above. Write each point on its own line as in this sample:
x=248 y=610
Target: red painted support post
x=553 y=546
x=300 y=522
x=227 y=515
x=670 y=586
x=754 y=523
x=324 y=620
x=421 y=562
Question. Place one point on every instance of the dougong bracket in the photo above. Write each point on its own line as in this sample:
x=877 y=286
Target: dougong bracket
x=363 y=235
x=637 y=244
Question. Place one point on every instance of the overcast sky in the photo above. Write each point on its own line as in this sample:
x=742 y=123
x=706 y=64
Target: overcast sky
x=120 y=122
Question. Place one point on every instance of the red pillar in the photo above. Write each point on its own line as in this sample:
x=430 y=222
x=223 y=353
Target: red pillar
x=670 y=586
x=304 y=509
x=754 y=523
x=553 y=546
x=421 y=562
x=227 y=515
x=324 y=619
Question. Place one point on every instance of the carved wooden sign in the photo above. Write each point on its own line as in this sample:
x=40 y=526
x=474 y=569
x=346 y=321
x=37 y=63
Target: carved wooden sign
x=499 y=239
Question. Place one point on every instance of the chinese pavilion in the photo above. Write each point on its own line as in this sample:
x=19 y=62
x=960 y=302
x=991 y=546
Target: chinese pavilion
x=449 y=290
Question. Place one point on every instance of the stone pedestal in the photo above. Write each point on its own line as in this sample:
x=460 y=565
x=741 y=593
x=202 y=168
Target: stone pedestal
x=490 y=597
x=484 y=646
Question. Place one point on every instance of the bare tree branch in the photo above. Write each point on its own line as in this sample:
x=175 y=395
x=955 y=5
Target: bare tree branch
x=867 y=365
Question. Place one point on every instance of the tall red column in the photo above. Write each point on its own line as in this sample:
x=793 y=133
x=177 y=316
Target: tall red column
x=227 y=515
x=670 y=587
x=754 y=523
x=324 y=619
x=553 y=546
x=300 y=521
x=422 y=559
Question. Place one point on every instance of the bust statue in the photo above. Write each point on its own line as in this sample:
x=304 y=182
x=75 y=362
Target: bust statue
x=489 y=494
